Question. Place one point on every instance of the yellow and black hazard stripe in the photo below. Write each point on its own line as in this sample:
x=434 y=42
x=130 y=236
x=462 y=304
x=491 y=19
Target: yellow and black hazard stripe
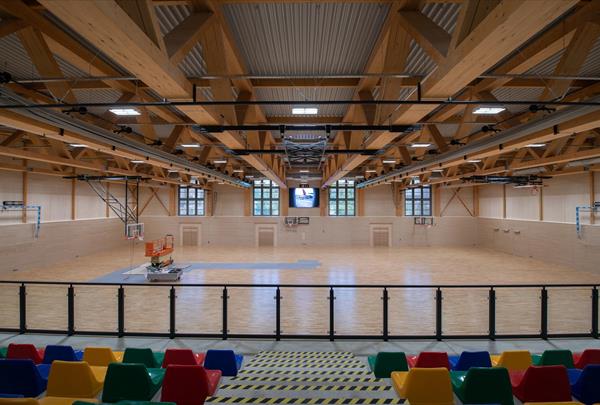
x=305 y=401
x=363 y=372
x=305 y=354
x=256 y=360
x=307 y=379
x=361 y=388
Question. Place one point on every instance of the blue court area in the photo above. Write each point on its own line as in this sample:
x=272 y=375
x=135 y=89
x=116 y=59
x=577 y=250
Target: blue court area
x=136 y=274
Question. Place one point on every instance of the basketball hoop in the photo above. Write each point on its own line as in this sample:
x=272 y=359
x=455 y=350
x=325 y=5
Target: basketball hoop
x=535 y=190
x=135 y=232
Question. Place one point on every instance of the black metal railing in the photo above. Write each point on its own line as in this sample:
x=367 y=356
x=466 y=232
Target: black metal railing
x=278 y=334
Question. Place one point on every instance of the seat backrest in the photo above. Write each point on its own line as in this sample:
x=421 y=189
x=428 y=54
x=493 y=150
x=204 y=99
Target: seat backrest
x=185 y=385
x=428 y=386
x=473 y=359
x=587 y=387
x=183 y=357
x=515 y=360
x=99 y=356
x=58 y=352
x=487 y=386
x=19 y=401
x=21 y=376
x=386 y=362
x=432 y=360
x=143 y=356
x=127 y=382
x=557 y=358
x=23 y=351
x=589 y=356
x=72 y=379
x=223 y=360
x=545 y=384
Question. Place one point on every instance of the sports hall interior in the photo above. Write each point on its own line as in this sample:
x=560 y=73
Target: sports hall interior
x=300 y=181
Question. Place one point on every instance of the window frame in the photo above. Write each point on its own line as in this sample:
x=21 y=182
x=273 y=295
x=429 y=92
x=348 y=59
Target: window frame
x=333 y=194
x=409 y=198
x=272 y=201
x=196 y=200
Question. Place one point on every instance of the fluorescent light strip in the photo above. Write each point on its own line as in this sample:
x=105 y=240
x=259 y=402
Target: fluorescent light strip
x=303 y=171
x=190 y=145
x=124 y=111
x=78 y=145
x=391 y=162
x=488 y=110
x=238 y=170
x=370 y=171
x=420 y=145
x=536 y=145
x=474 y=160
x=138 y=161
x=305 y=111
x=219 y=162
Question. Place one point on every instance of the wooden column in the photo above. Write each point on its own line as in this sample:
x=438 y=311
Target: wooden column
x=248 y=202
x=284 y=202
x=324 y=194
x=173 y=198
x=208 y=203
x=360 y=202
x=504 y=201
x=437 y=200
x=592 y=196
x=107 y=208
x=476 y=201
x=25 y=192
x=400 y=205
x=541 y=204
x=73 y=198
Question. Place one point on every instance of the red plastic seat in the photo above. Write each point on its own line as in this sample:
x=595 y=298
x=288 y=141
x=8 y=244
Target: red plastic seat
x=25 y=351
x=589 y=356
x=429 y=360
x=189 y=385
x=541 y=384
x=183 y=357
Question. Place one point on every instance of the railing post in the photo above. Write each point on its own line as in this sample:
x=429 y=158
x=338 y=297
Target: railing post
x=385 y=299
x=278 y=314
x=595 y=313
x=544 y=317
x=172 y=298
x=492 y=314
x=438 y=314
x=121 y=311
x=22 y=309
x=331 y=315
x=70 y=310
x=225 y=297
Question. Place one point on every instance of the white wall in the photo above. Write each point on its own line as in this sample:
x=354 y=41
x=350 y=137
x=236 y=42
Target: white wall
x=490 y=201
x=379 y=201
x=229 y=201
x=451 y=205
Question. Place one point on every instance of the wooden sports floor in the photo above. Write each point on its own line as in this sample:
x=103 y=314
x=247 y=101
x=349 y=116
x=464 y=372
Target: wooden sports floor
x=306 y=311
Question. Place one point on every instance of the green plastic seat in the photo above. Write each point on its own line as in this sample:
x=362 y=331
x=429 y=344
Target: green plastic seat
x=384 y=363
x=131 y=382
x=144 y=356
x=482 y=385
x=3 y=351
x=554 y=358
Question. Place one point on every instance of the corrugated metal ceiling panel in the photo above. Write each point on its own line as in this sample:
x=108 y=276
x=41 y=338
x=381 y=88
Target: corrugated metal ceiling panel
x=301 y=94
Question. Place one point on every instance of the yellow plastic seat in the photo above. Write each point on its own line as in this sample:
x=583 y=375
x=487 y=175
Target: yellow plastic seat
x=513 y=360
x=63 y=400
x=424 y=386
x=74 y=379
x=18 y=401
x=101 y=356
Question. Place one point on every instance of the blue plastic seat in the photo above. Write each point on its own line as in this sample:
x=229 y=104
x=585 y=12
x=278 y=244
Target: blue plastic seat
x=585 y=384
x=466 y=360
x=63 y=353
x=225 y=360
x=21 y=377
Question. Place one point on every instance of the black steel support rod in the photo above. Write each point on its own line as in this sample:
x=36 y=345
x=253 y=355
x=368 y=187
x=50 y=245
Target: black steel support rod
x=595 y=313
x=121 y=311
x=492 y=314
x=385 y=299
x=544 y=317
x=225 y=297
x=277 y=314
x=331 y=314
x=70 y=310
x=438 y=314
x=172 y=299
x=22 y=309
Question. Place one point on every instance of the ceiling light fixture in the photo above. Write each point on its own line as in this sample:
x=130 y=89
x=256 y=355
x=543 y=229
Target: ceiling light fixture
x=305 y=111
x=390 y=162
x=488 y=110
x=78 y=145
x=304 y=171
x=370 y=171
x=138 y=161
x=219 y=162
x=173 y=171
x=420 y=145
x=536 y=145
x=238 y=170
x=438 y=170
x=124 y=111
x=190 y=145
x=474 y=160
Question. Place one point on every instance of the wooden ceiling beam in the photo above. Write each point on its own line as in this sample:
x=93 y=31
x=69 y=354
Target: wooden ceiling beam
x=180 y=41
x=430 y=36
